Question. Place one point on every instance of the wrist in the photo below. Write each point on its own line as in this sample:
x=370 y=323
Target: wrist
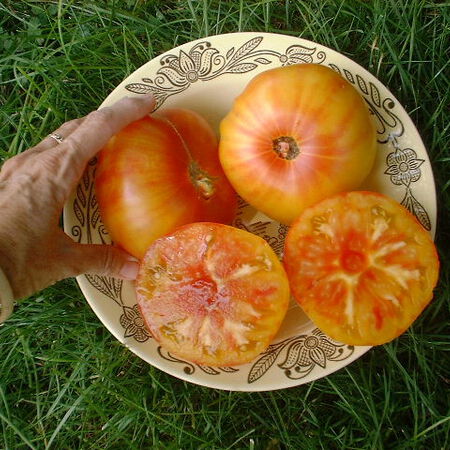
x=6 y=297
x=6 y=287
x=7 y=264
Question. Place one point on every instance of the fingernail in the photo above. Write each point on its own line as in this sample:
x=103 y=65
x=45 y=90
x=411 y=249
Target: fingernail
x=129 y=270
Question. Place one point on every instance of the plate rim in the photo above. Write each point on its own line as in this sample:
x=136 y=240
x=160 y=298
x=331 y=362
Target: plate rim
x=359 y=351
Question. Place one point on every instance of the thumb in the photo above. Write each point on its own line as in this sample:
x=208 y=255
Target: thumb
x=105 y=260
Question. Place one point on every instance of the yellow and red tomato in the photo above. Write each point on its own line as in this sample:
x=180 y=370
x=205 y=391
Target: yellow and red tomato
x=361 y=267
x=158 y=173
x=296 y=135
x=213 y=294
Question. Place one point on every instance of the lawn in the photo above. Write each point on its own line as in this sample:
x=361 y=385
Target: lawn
x=66 y=383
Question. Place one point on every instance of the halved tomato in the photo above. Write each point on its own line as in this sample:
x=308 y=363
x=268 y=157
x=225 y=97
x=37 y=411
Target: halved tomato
x=361 y=267
x=212 y=294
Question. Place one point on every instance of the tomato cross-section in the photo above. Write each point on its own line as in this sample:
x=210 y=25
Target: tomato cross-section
x=361 y=267
x=212 y=294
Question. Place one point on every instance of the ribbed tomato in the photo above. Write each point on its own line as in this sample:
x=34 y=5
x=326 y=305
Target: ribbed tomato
x=361 y=267
x=212 y=294
x=158 y=173
x=294 y=136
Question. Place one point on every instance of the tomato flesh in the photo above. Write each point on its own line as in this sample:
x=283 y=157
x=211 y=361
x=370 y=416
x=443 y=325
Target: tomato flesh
x=212 y=294
x=361 y=267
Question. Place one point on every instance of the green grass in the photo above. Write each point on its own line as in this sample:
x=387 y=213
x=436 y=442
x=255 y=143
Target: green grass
x=66 y=383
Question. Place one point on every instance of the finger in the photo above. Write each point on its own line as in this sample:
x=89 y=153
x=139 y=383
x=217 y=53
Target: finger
x=99 y=126
x=67 y=161
x=104 y=260
x=19 y=161
x=65 y=130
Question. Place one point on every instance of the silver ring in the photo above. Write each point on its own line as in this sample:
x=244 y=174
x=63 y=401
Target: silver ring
x=57 y=137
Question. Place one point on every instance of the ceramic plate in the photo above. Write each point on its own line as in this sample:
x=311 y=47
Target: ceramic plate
x=205 y=76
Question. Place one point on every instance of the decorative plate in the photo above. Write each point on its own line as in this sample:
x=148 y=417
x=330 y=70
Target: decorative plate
x=205 y=76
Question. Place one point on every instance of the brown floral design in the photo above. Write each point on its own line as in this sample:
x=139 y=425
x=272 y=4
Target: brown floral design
x=134 y=325
x=403 y=166
x=302 y=354
x=204 y=62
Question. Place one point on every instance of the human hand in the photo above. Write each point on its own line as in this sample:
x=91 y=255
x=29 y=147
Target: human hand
x=34 y=186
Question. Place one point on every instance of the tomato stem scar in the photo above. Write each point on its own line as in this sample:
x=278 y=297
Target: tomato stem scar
x=202 y=180
x=286 y=147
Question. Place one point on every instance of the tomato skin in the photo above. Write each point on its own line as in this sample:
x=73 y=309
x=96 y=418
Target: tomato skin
x=212 y=294
x=158 y=173
x=307 y=108
x=361 y=267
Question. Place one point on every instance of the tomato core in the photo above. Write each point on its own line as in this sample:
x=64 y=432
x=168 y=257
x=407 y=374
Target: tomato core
x=353 y=262
x=206 y=289
x=286 y=147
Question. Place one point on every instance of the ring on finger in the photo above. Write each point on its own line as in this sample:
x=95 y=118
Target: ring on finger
x=57 y=137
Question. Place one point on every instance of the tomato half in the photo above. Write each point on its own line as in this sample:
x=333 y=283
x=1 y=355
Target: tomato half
x=295 y=136
x=212 y=294
x=361 y=267
x=158 y=173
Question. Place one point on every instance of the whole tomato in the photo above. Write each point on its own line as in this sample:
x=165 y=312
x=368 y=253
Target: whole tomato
x=294 y=136
x=158 y=173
